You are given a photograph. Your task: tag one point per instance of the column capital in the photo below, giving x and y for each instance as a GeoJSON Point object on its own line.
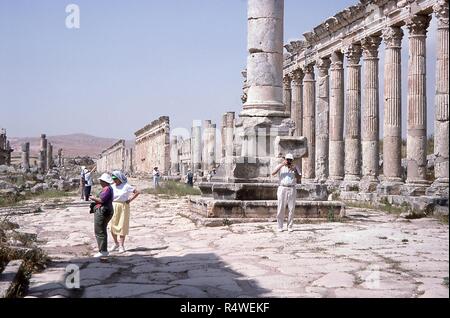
{"type": "Point", "coordinates": [337, 60]}
{"type": "Point", "coordinates": [441, 12]}
{"type": "Point", "coordinates": [309, 71]}
{"type": "Point", "coordinates": [323, 64]}
{"type": "Point", "coordinates": [353, 53]}
{"type": "Point", "coordinates": [287, 79]}
{"type": "Point", "coordinates": [297, 76]}
{"type": "Point", "coordinates": [393, 36]}
{"type": "Point", "coordinates": [370, 46]}
{"type": "Point", "coordinates": [418, 24]}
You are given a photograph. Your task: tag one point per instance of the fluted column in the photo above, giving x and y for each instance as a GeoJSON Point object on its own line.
{"type": "Point", "coordinates": [309, 122]}
{"type": "Point", "coordinates": [323, 110]}
{"type": "Point", "coordinates": [265, 58]}
{"type": "Point", "coordinates": [287, 93]}
{"type": "Point", "coordinates": [392, 139]}
{"type": "Point", "coordinates": [297, 100]}
{"type": "Point", "coordinates": [353, 115]}
{"type": "Point", "coordinates": [174, 156]}
{"type": "Point", "coordinates": [441, 140]}
{"type": "Point", "coordinates": [370, 114]}
{"type": "Point", "coordinates": [336, 168]}
{"type": "Point", "coordinates": [417, 100]}
{"type": "Point", "coordinates": [196, 148]}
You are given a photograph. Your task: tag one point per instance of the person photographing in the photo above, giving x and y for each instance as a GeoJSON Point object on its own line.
{"type": "Point", "coordinates": [289, 175]}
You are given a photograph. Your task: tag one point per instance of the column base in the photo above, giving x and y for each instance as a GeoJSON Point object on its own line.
{"type": "Point", "coordinates": [415, 187]}
{"type": "Point", "coordinates": [368, 184]}
{"type": "Point", "coordinates": [439, 188]}
{"type": "Point", "coordinates": [350, 183]}
{"type": "Point", "coordinates": [391, 187]}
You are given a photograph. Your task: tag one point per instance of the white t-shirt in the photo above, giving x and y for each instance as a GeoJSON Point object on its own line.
{"type": "Point", "coordinates": [88, 178]}
{"type": "Point", "coordinates": [287, 176]}
{"type": "Point", "coordinates": [156, 174]}
{"type": "Point", "coordinates": [122, 192]}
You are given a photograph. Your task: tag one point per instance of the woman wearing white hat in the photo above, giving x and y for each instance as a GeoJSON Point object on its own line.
{"type": "Point", "coordinates": [289, 175]}
{"type": "Point", "coordinates": [103, 214]}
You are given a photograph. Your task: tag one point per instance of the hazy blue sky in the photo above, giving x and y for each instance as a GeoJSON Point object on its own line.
{"type": "Point", "coordinates": [132, 61]}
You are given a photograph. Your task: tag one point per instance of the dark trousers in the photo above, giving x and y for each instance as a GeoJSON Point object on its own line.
{"type": "Point", "coordinates": [101, 221]}
{"type": "Point", "coordinates": [87, 192]}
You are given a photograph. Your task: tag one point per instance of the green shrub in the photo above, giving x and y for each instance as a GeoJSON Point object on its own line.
{"type": "Point", "coordinates": [173, 189]}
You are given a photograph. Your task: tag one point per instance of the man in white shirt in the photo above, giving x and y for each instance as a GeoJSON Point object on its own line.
{"type": "Point", "coordinates": [89, 182]}
{"type": "Point", "coordinates": [289, 175]}
{"type": "Point", "coordinates": [156, 177]}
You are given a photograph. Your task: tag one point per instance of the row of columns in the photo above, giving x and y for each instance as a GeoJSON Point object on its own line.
{"type": "Point", "coordinates": [45, 156]}
{"type": "Point", "coordinates": [353, 154]}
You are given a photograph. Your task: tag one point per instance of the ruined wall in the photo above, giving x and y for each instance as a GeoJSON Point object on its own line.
{"type": "Point", "coordinates": [116, 157]}
{"type": "Point", "coordinates": [153, 147]}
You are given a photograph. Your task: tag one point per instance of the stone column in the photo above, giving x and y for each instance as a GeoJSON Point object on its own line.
{"type": "Point", "coordinates": [353, 116]}
{"type": "Point", "coordinates": [205, 146]}
{"type": "Point", "coordinates": [196, 148]}
{"type": "Point", "coordinates": [8, 153]}
{"type": "Point", "coordinates": [441, 131]}
{"type": "Point", "coordinates": [60, 157]}
{"type": "Point", "coordinates": [211, 147]}
{"type": "Point", "coordinates": [43, 156]}
{"type": "Point", "coordinates": [265, 59]}
{"type": "Point", "coordinates": [370, 114]}
{"type": "Point", "coordinates": [26, 157]}
{"type": "Point", "coordinates": [309, 122]}
{"type": "Point", "coordinates": [223, 135]}
{"type": "Point", "coordinates": [287, 93]}
{"type": "Point", "coordinates": [49, 156]}
{"type": "Point", "coordinates": [41, 162]}
{"type": "Point", "coordinates": [229, 134]}
{"type": "Point", "coordinates": [392, 139]}
{"type": "Point", "coordinates": [417, 105]}
{"type": "Point", "coordinates": [174, 156]}
{"type": "Point", "coordinates": [323, 110]}
{"type": "Point", "coordinates": [297, 100]}
{"type": "Point", "coordinates": [336, 168]}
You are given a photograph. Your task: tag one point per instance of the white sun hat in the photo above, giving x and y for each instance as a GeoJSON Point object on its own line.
{"type": "Point", "coordinates": [289, 156]}
{"type": "Point", "coordinates": [106, 177]}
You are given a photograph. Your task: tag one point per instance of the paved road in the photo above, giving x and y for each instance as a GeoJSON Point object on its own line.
{"type": "Point", "coordinates": [372, 254]}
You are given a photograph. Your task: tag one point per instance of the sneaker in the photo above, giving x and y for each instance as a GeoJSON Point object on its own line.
{"type": "Point", "coordinates": [101, 254]}
{"type": "Point", "coordinates": [115, 248]}
{"type": "Point", "coordinates": [280, 230]}
{"type": "Point", "coordinates": [121, 249]}
{"type": "Point", "coordinates": [290, 229]}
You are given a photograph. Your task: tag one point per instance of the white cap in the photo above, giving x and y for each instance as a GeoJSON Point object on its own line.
{"type": "Point", "coordinates": [289, 156]}
{"type": "Point", "coordinates": [83, 167]}
{"type": "Point", "coordinates": [106, 177]}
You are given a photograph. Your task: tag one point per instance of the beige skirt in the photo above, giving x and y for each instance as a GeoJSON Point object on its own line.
{"type": "Point", "coordinates": [120, 222]}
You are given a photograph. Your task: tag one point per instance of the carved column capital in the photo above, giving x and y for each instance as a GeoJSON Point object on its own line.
{"type": "Point", "coordinates": [370, 46]}
{"type": "Point", "coordinates": [337, 60]}
{"type": "Point", "coordinates": [323, 65]}
{"type": "Point", "coordinates": [418, 24]}
{"type": "Point", "coordinates": [393, 36]}
{"type": "Point", "coordinates": [353, 53]}
{"type": "Point", "coordinates": [308, 69]}
{"type": "Point", "coordinates": [441, 12]}
{"type": "Point", "coordinates": [297, 76]}
{"type": "Point", "coordinates": [287, 81]}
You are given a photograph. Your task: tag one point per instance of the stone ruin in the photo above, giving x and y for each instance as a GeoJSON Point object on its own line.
{"type": "Point", "coordinates": [5, 149]}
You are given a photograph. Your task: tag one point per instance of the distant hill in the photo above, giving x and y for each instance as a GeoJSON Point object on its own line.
{"type": "Point", "coordinates": [73, 145]}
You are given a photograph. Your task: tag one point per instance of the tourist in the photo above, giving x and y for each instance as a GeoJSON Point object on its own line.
{"type": "Point", "coordinates": [82, 182]}
{"type": "Point", "coordinates": [190, 178]}
{"type": "Point", "coordinates": [211, 174]}
{"type": "Point", "coordinates": [103, 214]}
{"type": "Point", "coordinates": [156, 177]}
{"type": "Point", "coordinates": [289, 175]}
{"type": "Point", "coordinates": [124, 194]}
{"type": "Point", "coordinates": [89, 182]}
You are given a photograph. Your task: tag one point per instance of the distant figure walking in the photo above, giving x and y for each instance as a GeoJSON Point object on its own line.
{"type": "Point", "coordinates": [190, 178]}
{"type": "Point", "coordinates": [289, 175]}
{"type": "Point", "coordinates": [89, 182]}
{"type": "Point", "coordinates": [124, 194]}
{"type": "Point", "coordinates": [82, 182]}
{"type": "Point", "coordinates": [103, 214]}
{"type": "Point", "coordinates": [156, 177]}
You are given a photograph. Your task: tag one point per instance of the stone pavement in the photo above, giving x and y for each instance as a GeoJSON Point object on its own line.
{"type": "Point", "coordinates": [372, 254]}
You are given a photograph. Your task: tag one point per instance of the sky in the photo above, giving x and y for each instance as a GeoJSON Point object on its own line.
{"type": "Point", "coordinates": [135, 60]}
